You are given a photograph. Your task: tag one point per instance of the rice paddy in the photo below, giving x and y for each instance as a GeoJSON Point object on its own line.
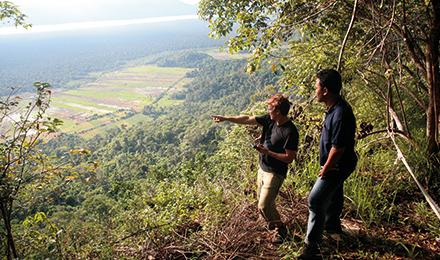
{"type": "Point", "coordinates": [115, 98]}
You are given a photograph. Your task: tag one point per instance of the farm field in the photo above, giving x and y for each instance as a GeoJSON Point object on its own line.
{"type": "Point", "coordinates": [115, 98]}
{"type": "Point", "coordinates": [225, 55]}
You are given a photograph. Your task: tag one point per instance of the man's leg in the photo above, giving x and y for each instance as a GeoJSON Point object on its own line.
{"type": "Point", "coordinates": [319, 199]}
{"type": "Point", "coordinates": [334, 211]}
{"type": "Point", "coordinates": [268, 186]}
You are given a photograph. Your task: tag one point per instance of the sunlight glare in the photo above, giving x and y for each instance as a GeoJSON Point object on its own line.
{"type": "Point", "coordinates": [90, 25]}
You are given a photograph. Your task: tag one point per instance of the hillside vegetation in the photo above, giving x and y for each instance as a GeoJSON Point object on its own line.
{"type": "Point", "coordinates": [177, 186]}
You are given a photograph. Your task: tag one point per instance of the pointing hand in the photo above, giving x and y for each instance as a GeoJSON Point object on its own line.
{"type": "Point", "coordinates": [218, 119]}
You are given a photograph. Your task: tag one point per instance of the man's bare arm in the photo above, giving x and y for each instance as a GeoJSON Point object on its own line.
{"type": "Point", "coordinates": [242, 120]}
{"type": "Point", "coordinates": [333, 157]}
{"type": "Point", "coordinates": [287, 157]}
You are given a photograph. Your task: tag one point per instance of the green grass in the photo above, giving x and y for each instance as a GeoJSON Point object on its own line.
{"type": "Point", "coordinates": [111, 125]}
{"type": "Point", "coordinates": [77, 127]}
{"type": "Point", "coordinates": [96, 123]}
{"type": "Point", "coordinates": [67, 123]}
{"type": "Point", "coordinates": [137, 118]}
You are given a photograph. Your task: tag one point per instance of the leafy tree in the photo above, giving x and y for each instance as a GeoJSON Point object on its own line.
{"type": "Point", "coordinates": [25, 169]}
{"type": "Point", "coordinates": [99, 204]}
{"type": "Point", "coordinates": [8, 11]}
{"type": "Point", "coordinates": [392, 45]}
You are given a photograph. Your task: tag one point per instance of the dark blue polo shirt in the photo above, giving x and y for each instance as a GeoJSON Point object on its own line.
{"type": "Point", "coordinates": [339, 131]}
{"type": "Point", "coordinates": [276, 138]}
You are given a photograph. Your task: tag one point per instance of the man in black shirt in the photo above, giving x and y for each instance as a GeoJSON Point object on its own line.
{"type": "Point", "coordinates": [338, 160]}
{"type": "Point", "coordinates": [277, 148]}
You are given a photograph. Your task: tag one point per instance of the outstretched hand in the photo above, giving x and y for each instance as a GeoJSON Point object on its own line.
{"type": "Point", "coordinates": [218, 119]}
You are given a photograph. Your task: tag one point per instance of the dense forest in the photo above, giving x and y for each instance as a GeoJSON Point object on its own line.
{"type": "Point", "coordinates": [182, 187]}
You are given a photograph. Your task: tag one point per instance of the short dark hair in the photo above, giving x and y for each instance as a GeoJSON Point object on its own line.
{"type": "Point", "coordinates": [280, 102]}
{"type": "Point", "coordinates": [330, 79]}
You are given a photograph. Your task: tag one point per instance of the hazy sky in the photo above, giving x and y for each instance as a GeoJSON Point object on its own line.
{"type": "Point", "coordinates": [73, 6]}
{"type": "Point", "coordinates": [190, 1]}
{"type": "Point", "coordinates": [76, 3]}
{"type": "Point", "coordinates": [78, 7]}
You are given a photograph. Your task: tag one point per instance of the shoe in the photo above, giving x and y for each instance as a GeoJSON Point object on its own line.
{"type": "Point", "coordinates": [310, 252]}
{"type": "Point", "coordinates": [333, 230]}
{"type": "Point", "coordinates": [282, 232]}
{"type": "Point", "coordinates": [280, 235]}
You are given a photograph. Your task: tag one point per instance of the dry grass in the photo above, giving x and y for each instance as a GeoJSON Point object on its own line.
{"type": "Point", "coordinates": [242, 235]}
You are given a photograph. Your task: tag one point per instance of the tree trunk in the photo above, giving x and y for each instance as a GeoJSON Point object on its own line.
{"type": "Point", "coordinates": [433, 79]}
{"type": "Point", "coordinates": [10, 246]}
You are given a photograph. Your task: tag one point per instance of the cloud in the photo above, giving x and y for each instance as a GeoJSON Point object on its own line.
{"type": "Point", "coordinates": [90, 25]}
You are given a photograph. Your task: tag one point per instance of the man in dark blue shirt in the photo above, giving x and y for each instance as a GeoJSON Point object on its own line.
{"type": "Point", "coordinates": [337, 159]}
{"type": "Point", "coordinates": [277, 148]}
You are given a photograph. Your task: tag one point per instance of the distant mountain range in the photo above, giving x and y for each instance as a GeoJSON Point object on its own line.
{"type": "Point", "coordinates": [99, 10]}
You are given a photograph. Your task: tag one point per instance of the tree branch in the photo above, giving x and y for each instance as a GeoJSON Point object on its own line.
{"type": "Point", "coordinates": [397, 131]}
{"type": "Point", "coordinates": [346, 35]}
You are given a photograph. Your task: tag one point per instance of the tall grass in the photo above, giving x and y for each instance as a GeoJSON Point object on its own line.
{"type": "Point", "coordinates": [370, 190]}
